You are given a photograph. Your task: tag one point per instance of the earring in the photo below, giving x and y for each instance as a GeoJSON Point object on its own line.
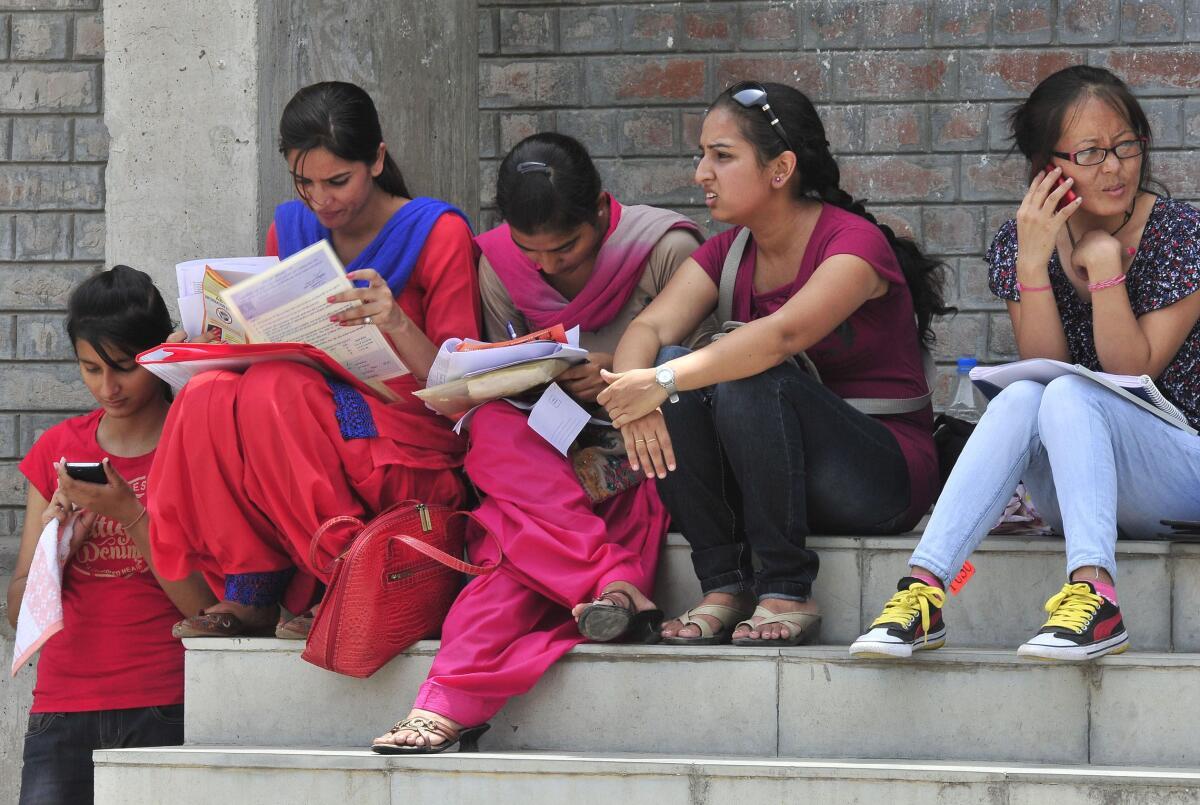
{"type": "Point", "coordinates": [778, 179]}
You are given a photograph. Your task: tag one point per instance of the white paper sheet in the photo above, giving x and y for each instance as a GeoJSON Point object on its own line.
{"type": "Point", "coordinates": [557, 418]}
{"type": "Point", "coordinates": [288, 303]}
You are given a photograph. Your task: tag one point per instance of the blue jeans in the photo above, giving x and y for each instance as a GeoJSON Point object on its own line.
{"type": "Point", "coordinates": [1096, 466]}
{"type": "Point", "coordinates": [762, 462]}
{"type": "Point", "coordinates": [58, 767]}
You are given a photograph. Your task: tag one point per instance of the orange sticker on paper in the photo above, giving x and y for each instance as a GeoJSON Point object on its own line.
{"type": "Point", "coordinates": [964, 575]}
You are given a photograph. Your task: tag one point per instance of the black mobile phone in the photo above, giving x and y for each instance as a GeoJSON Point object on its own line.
{"type": "Point", "coordinates": [91, 472]}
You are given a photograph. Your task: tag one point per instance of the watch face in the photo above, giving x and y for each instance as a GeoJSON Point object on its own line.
{"type": "Point", "coordinates": [664, 375]}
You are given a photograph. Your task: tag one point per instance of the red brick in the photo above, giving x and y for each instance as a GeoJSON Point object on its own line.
{"type": "Point", "coordinates": [899, 178]}
{"type": "Point", "coordinates": [896, 128]}
{"type": "Point", "coordinates": [993, 177]}
{"type": "Point", "coordinates": [647, 132]}
{"type": "Point", "coordinates": [893, 76]}
{"type": "Point", "coordinates": [1166, 70]}
{"type": "Point", "coordinates": [1087, 21]}
{"type": "Point", "coordinates": [803, 71]}
{"type": "Point", "coordinates": [648, 29]}
{"type": "Point", "coordinates": [692, 122]}
{"type": "Point", "coordinates": [843, 127]}
{"type": "Point", "coordinates": [516, 127]}
{"type": "Point", "coordinates": [1179, 171]}
{"type": "Point", "coordinates": [1151, 20]}
{"type": "Point", "coordinates": [1010, 73]}
{"type": "Point", "coordinates": [833, 23]}
{"type": "Point", "coordinates": [1023, 22]}
{"type": "Point", "coordinates": [646, 80]}
{"type": "Point", "coordinates": [528, 82]}
{"type": "Point", "coordinates": [961, 23]}
{"type": "Point", "coordinates": [773, 26]}
{"type": "Point", "coordinates": [706, 26]}
{"type": "Point", "coordinates": [904, 221]}
{"type": "Point", "coordinates": [960, 127]}
{"type": "Point", "coordinates": [952, 229]}
{"type": "Point", "coordinates": [896, 24]}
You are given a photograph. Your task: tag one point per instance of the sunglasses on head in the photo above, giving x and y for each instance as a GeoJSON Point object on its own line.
{"type": "Point", "coordinates": [751, 94]}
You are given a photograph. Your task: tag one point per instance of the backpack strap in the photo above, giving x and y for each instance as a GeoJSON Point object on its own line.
{"type": "Point", "coordinates": [729, 269]}
{"type": "Point", "coordinates": [901, 405]}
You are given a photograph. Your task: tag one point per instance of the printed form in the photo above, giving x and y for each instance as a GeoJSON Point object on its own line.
{"type": "Point", "coordinates": [287, 303]}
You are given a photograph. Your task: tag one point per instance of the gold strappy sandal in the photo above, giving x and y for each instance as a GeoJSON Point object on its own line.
{"type": "Point", "coordinates": [467, 738]}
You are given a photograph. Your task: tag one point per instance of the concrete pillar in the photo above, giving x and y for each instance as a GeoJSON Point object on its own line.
{"type": "Point", "coordinates": [193, 94]}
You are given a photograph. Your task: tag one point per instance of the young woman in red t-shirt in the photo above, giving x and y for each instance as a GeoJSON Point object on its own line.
{"type": "Point", "coordinates": [113, 676]}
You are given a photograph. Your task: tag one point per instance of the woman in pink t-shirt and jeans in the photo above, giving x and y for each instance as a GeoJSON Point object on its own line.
{"type": "Point", "coordinates": [756, 453]}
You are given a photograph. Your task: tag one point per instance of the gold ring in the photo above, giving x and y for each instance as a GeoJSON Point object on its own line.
{"type": "Point", "coordinates": [639, 441]}
{"type": "Point", "coordinates": [651, 440]}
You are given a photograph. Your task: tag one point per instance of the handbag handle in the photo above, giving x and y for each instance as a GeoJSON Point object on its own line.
{"type": "Point", "coordinates": [415, 543]}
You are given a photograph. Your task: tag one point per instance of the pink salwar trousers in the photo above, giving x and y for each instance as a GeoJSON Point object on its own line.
{"type": "Point", "coordinates": [506, 629]}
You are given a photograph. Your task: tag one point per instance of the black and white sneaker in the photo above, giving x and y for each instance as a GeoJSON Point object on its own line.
{"type": "Point", "coordinates": [911, 621]}
{"type": "Point", "coordinates": [1083, 625]}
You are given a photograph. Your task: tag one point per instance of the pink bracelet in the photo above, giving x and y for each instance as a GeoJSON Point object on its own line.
{"type": "Point", "coordinates": [1100, 286]}
{"type": "Point", "coordinates": [1023, 288]}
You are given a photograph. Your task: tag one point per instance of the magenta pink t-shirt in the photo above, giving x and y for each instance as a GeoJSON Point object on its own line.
{"type": "Point", "coordinates": [875, 353]}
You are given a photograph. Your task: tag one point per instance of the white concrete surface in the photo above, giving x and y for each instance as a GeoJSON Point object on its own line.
{"type": "Point", "coordinates": [180, 103]}
{"type": "Point", "coordinates": [964, 704]}
{"type": "Point", "coordinates": [194, 775]}
{"type": "Point", "coordinates": [16, 694]}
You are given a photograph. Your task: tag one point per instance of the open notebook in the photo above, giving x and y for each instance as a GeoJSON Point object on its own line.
{"type": "Point", "coordinates": [1139, 390]}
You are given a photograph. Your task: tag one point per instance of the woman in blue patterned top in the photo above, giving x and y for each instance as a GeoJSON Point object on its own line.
{"type": "Point", "coordinates": [1108, 280]}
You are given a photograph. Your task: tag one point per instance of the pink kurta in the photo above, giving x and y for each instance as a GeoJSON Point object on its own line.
{"type": "Point", "coordinates": [506, 629]}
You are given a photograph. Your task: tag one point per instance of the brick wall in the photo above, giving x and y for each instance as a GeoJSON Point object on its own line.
{"type": "Point", "coordinates": [53, 147]}
{"type": "Point", "coordinates": [913, 95]}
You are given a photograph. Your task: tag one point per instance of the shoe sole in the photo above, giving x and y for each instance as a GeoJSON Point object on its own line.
{"type": "Point", "coordinates": [1114, 645]}
{"type": "Point", "coordinates": [895, 651]}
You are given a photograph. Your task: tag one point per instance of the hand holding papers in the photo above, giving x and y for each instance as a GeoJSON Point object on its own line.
{"type": "Point", "coordinates": [461, 378]}
{"type": "Point", "coordinates": [200, 282]}
{"type": "Point", "coordinates": [287, 304]}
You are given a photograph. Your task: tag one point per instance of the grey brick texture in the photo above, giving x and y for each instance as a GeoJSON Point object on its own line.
{"type": "Point", "coordinates": [913, 94]}
{"type": "Point", "coordinates": [53, 146]}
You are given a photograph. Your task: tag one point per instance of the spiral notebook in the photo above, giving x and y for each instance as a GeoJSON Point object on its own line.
{"type": "Point", "coordinates": [1138, 389]}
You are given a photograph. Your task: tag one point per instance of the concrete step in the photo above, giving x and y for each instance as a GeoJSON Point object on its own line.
{"type": "Point", "coordinates": [1001, 607]}
{"type": "Point", "coordinates": [200, 775]}
{"type": "Point", "coordinates": [951, 704]}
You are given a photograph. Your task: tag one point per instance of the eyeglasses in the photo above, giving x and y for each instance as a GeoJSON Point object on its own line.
{"type": "Point", "coordinates": [751, 94]}
{"type": "Point", "coordinates": [1126, 149]}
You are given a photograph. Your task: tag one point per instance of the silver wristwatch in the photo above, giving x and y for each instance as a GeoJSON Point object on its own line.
{"type": "Point", "coordinates": [665, 377]}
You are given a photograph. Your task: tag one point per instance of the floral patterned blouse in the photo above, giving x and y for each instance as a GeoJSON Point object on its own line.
{"type": "Point", "coordinates": [1165, 269]}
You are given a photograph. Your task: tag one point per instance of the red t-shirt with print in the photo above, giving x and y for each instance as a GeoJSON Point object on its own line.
{"type": "Point", "coordinates": [115, 649]}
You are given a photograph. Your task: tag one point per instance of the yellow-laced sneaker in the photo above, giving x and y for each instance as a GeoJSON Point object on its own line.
{"type": "Point", "coordinates": [911, 621]}
{"type": "Point", "coordinates": [1082, 625]}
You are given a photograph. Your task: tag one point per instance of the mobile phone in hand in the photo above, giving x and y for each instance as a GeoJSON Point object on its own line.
{"type": "Point", "coordinates": [1068, 197]}
{"type": "Point", "coordinates": [91, 472]}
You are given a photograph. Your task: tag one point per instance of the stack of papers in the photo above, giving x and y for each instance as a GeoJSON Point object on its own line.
{"type": "Point", "coordinates": [190, 278]}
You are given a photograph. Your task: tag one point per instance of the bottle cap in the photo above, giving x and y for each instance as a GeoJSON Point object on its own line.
{"type": "Point", "coordinates": [966, 364]}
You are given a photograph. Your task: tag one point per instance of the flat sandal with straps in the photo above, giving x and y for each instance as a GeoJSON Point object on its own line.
{"type": "Point", "coordinates": [467, 738]}
{"type": "Point", "coordinates": [802, 628]}
{"type": "Point", "coordinates": [726, 616]}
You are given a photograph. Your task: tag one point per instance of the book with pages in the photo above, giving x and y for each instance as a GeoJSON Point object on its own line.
{"type": "Point", "coordinates": [1138, 389]}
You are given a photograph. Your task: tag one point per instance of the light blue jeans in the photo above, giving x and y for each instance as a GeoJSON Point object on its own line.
{"type": "Point", "coordinates": [1096, 466]}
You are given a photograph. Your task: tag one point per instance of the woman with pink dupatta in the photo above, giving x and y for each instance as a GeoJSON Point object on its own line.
{"type": "Point", "coordinates": [569, 254]}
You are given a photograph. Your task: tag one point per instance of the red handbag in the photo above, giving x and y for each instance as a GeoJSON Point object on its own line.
{"type": "Point", "coordinates": [392, 587]}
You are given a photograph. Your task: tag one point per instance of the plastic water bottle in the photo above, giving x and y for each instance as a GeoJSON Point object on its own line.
{"type": "Point", "coordinates": [967, 404]}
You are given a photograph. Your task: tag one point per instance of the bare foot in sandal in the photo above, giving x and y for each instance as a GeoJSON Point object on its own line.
{"type": "Point", "coordinates": [777, 631]}
{"type": "Point", "coordinates": [740, 603]}
{"type": "Point", "coordinates": [621, 611]}
{"type": "Point", "coordinates": [420, 738]}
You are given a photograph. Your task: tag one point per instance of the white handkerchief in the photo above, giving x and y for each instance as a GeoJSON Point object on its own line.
{"type": "Point", "coordinates": [557, 418]}
{"type": "Point", "coordinates": [41, 614]}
